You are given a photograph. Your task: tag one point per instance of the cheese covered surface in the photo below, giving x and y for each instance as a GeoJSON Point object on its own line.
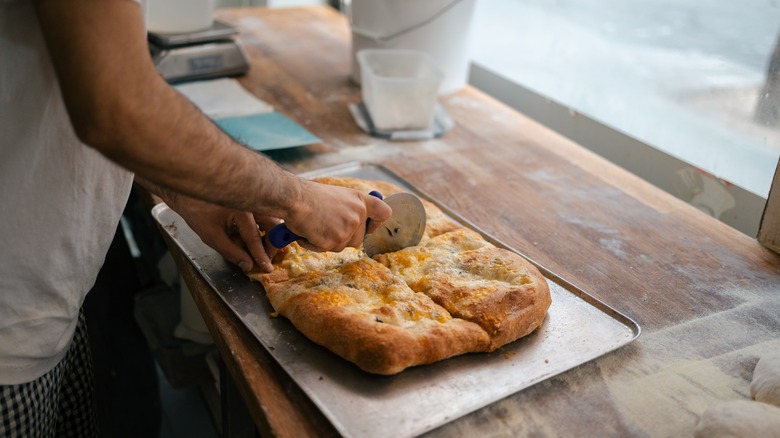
{"type": "Point", "coordinates": [454, 293]}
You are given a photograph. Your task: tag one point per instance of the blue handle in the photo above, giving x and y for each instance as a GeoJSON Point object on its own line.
{"type": "Point", "coordinates": [281, 236]}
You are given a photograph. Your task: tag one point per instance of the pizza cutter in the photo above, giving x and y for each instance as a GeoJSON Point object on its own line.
{"type": "Point", "coordinates": [404, 228]}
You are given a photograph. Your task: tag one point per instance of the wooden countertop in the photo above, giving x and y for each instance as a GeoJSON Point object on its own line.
{"type": "Point", "coordinates": [706, 296]}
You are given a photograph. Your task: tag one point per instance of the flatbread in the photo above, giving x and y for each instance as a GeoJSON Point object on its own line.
{"type": "Point", "coordinates": [476, 281]}
{"type": "Point", "coordinates": [452, 294]}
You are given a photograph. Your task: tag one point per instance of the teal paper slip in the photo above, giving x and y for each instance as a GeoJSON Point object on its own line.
{"type": "Point", "coordinates": [267, 131]}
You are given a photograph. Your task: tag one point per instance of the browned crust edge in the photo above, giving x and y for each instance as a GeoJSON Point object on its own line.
{"type": "Point", "coordinates": [510, 312]}
{"type": "Point", "coordinates": [381, 348]}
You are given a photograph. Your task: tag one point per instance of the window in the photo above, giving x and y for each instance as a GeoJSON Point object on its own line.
{"type": "Point", "coordinates": [679, 78]}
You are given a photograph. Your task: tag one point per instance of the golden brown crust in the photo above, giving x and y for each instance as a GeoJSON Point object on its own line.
{"type": "Point", "coordinates": [475, 281]}
{"type": "Point", "coordinates": [507, 310]}
{"type": "Point", "coordinates": [363, 313]}
{"type": "Point", "coordinates": [454, 293]}
{"type": "Point", "coordinates": [379, 347]}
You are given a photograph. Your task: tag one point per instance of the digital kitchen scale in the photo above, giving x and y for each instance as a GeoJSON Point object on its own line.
{"type": "Point", "coordinates": [209, 53]}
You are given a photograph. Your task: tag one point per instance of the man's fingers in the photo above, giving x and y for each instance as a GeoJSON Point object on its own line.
{"type": "Point", "coordinates": [267, 222]}
{"type": "Point", "coordinates": [377, 209]}
{"type": "Point", "coordinates": [270, 250]}
{"type": "Point", "coordinates": [343, 218]}
{"type": "Point", "coordinates": [250, 235]}
{"type": "Point", "coordinates": [378, 212]}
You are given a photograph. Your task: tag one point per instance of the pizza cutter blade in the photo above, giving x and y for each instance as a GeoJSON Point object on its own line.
{"type": "Point", "coordinates": [404, 228]}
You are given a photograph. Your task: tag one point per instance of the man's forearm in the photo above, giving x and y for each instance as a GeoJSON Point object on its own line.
{"type": "Point", "coordinates": [182, 151]}
{"type": "Point", "coordinates": [151, 130]}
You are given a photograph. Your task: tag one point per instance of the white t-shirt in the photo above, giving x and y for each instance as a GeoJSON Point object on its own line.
{"type": "Point", "coordinates": [60, 203]}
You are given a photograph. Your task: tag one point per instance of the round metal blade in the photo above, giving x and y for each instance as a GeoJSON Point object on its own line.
{"type": "Point", "coordinates": [404, 228]}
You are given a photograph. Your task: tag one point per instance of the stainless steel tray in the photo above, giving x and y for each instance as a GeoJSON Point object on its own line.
{"type": "Point", "coordinates": [578, 328]}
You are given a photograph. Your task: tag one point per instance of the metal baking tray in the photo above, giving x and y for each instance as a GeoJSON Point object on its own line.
{"type": "Point", "coordinates": [577, 329]}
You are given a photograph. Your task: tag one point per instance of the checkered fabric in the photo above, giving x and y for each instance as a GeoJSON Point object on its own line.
{"type": "Point", "coordinates": [61, 403]}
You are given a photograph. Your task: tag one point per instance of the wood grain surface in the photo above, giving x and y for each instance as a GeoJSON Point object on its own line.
{"type": "Point", "coordinates": [706, 296]}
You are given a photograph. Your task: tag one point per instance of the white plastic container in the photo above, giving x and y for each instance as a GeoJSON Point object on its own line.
{"type": "Point", "coordinates": [399, 88]}
{"type": "Point", "coordinates": [179, 16]}
{"type": "Point", "coordinates": [439, 28]}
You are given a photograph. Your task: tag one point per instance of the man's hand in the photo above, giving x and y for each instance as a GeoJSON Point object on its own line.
{"type": "Point", "coordinates": [228, 231]}
{"type": "Point", "coordinates": [332, 218]}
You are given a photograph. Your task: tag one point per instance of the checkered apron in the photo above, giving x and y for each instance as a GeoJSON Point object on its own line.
{"type": "Point", "coordinates": [61, 403]}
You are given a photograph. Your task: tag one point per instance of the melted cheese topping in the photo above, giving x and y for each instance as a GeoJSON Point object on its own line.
{"type": "Point", "coordinates": [298, 260]}
{"type": "Point", "coordinates": [358, 284]}
{"type": "Point", "coordinates": [333, 298]}
{"type": "Point", "coordinates": [460, 263]}
{"type": "Point", "coordinates": [392, 289]}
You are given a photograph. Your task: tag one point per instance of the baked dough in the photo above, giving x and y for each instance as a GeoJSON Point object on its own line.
{"type": "Point", "coordinates": [765, 386]}
{"type": "Point", "coordinates": [739, 419]}
{"type": "Point", "coordinates": [356, 308]}
{"type": "Point", "coordinates": [454, 293]}
{"type": "Point", "coordinates": [475, 281]}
